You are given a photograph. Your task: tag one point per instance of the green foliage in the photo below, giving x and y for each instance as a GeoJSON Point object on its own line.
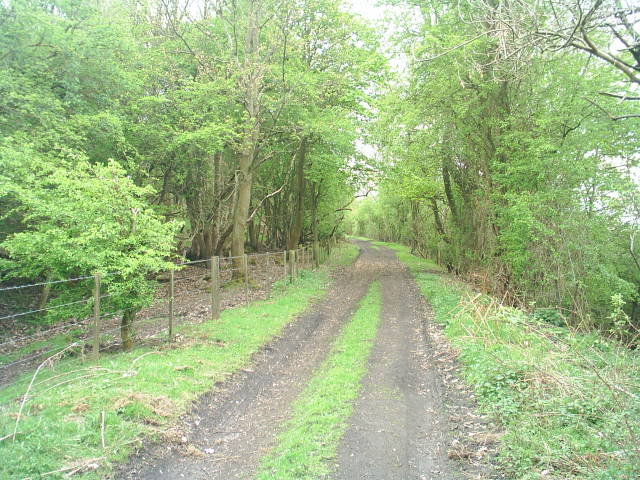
{"type": "Point", "coordinates": [550, 316]}
{"type": "Point", "coordinates": [498, 162]}
{"type": "Point", "coordinates": [79, 219]}
{"type": "Point", "coordinates": [165, 95]}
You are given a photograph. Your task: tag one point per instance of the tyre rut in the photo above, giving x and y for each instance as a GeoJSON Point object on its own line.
{"type": "Point", "coordinates": [399, 426]}
{"type": "Point", "coordinates": [233, 426]}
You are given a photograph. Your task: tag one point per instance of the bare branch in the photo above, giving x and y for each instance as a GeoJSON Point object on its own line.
{"type": "Point", "coordinates": [612, 117]}
{"type": "Point", "coordinates": [272, 194]}
{"type": "Point", "coordinates": [621, 97]}
{"type": "Point", "coordinates": [467, 42]}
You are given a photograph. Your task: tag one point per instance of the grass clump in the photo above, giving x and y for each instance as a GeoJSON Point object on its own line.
{"type": "Point", "coordinates": [569, 402]}
{"type": "Point", "coordinates": [320, 413]}
{"type": "Point", "coordinates": [132, 395]}
{"type": "Point", "coordinates": [355, 237]}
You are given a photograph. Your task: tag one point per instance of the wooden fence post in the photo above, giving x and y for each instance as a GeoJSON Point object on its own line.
{"type": "Point", "coordinates": [215, 287]}
{"type": "Point", "coordinates": [315, 251]}
{"type": "Point", "coordinates": [296, 253]}
{"type": "Point", "coordinates": [246, 278]}
{"type": "Point", "coordinates": [294, 264]}
{"type": "Point", "coordinates": [96, 315]}
{"type": "Point", "coordinates": [172, 283]}
{"type": "Point", "coordinates": [284, 262]}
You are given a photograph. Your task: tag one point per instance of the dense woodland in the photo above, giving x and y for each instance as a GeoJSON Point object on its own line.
{"type": "Point", "coordinates": [134, 133]}
{"type": "Point", "coordinates": [509, 153]}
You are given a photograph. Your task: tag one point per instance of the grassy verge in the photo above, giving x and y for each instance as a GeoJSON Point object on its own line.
{"type": "Point", "coordinates": [354, 237]}
{"type": "Point", "coordinates": [320, 413]}
{"type": "Point", "coordinates": [58, 341]}
{"type": "Point", "coordinates": [569, 402]}
{"type": "Point", "coordinates": [344, 254]}
{"type": "Point", "coordinates": [84, 417]}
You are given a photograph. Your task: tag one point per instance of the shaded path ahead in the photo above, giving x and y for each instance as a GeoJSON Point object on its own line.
{"type": "Point", "coordinates": [399, 427]}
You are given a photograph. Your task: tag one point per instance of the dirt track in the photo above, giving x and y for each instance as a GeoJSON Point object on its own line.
{"type": "Point", "coordinates": [402, 423]}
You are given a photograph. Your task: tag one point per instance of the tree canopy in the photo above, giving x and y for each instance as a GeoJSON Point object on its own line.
{"type": "Point", "coordinates": [134, 133]}
{"type": "Point", "coordinates": [510, 151]}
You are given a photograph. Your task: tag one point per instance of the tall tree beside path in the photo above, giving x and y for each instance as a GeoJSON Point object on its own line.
{"type": "Point", "coordinates": [502, 159]}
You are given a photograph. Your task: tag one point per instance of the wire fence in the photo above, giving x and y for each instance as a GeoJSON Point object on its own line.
{"type": "Point", "coordinates": [98, 325]}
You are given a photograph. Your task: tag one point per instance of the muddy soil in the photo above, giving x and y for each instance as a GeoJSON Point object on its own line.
{"type": "Point", "coordinates": [414, 418]}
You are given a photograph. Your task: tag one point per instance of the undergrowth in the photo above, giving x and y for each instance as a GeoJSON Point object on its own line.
{"type": "Point", "coordinates": [569, 402]}
{"type": "Point", "coordinates": [82, 417]}
{"type": "Point", "coordinates": [320, 413]}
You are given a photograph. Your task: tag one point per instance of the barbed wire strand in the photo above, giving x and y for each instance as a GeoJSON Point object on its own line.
{"type": "Point", "coordinates": [103, 275]}
{"type": "Point", "coordinates": [39, 354]}
{"type": "Point", "coordinates": [42, 333]}
{"type": "Point", "coordinates": [21, 314]}
{"type": "Point", "coordinates": [179, 279]}
{"type": "Point", "coordinates": [87, 321]}
{"type": "Point", "coordinates": [52, 282]}
{"type": "Point", "coordinates": [193, 262]}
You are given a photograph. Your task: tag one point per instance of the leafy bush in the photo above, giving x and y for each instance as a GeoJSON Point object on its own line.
{"type": "Point", "coordinates": [77, 219]}
{"type": "Point", "coordinates": [550, 316]}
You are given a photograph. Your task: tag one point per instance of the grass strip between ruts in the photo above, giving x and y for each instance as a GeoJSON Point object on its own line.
{"type": "Point", "coordinates": [320, 414]}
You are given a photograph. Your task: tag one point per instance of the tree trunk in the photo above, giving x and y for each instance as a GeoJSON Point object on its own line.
{"type": "Point", "coordinates": [126, 329]}
{"type": "Point", "coordinates": [296, 228]}
{"type": "Point", "coordinates": [241, 214]}
{"type": "Point", "coordinates": [415, 217]}
{"type": "Point", "coordinates": [254, 235]}
{"type": "Point", "coordinates": [217, 202]}
{"type": "Point", "coordinates": [223, 240]}
{"type": "Point", "coordinates": [251, 82]}
{"type": "Point", "coordinates": [438, 220]}
{"type": "Point", "coordinates": [44, 294]}
{"type": "Point", "coordinates": [446, 180]}
{"type": "Point", "coordinates": [314, 226]}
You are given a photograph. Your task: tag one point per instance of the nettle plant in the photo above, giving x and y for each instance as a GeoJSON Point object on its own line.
{"type": "Point", "coordinates": [77, 219]}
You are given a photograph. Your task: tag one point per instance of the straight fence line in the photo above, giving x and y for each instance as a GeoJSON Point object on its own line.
{"type": "Point", "coordinates": [22, 314]}
{"type": "Point", "coordinates": [192, 262]}
{"type": "Point", "coordinates": [52, 282]}
{"type": "Point", "coordinates": [293, 259]}
{"type": "Point", "coordinates": [41, 333]}
{"type": "Point", "coordinates": [39, 354]}
{"type": "Point", "coordinates": [178, 279]}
